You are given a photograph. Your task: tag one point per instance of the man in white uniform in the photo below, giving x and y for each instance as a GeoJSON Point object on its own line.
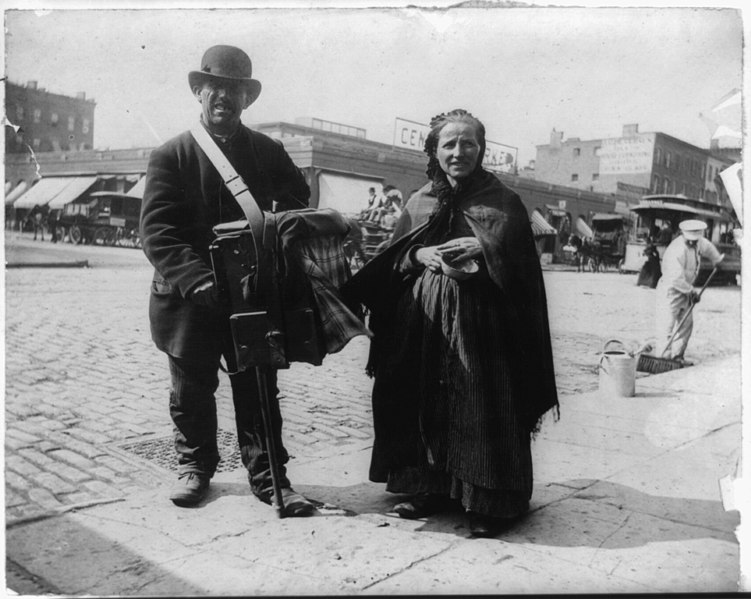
{"type": "Point", "coordinates": [675, 290]}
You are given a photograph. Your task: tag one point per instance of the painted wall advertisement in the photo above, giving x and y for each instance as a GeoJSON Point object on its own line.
{"type": "Point", "coordinates": [624, 155]}
{"type": "Point", "coordinates": [498, 158]}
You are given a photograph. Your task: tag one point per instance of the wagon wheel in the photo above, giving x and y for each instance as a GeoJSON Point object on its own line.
{"type": "Point", "coordinates": [111, 236]}
{"type": "Point", "coordinates": [592, 263]}
{"type": "Point", "coordinates": [120, 237]}
{"type": "Point", "coordinates": [60, 233]}
{"type": "Point", "coordinates": [101, 236]}
{"type": "Point", "coordinates": [76, 235]}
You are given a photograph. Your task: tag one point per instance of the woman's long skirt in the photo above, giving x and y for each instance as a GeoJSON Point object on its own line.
{"type": "Point", "coordinates": [650, 273]}
{"type": "Point", "coordinates": [445, 400]}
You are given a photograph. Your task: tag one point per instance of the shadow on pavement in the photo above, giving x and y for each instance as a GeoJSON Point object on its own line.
{"type": "Point", "coordinates": [587, 513]}
{"type": "Point", "coordinates": [61, 556]}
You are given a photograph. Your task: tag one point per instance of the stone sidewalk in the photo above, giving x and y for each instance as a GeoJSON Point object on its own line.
{"type": "Point", "coordinates": [88, 445]}
{"type": "Point", "coordinates": [627, 499]}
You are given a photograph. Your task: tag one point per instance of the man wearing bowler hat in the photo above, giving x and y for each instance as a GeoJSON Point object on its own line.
{"type": "Point", "coordinates": [675, 290]}
{"type": "Point", "coordinates": [184, 198]}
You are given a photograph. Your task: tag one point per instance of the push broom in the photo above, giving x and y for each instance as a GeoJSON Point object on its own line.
{"type": "Point", "coordinates": [658, 364]}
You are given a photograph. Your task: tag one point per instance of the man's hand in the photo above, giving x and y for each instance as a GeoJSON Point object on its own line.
{"type": "Point", "coordinates": [694, 297]}
{"type": "Point", "coordinates": [206, 295]}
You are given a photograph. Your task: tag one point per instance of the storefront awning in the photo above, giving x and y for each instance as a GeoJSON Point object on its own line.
{"type": "Point", "coordinates": [41, 193]}
{"type": "Point", "coordinates": [16, 192]}
{"type": "Point", "coordinates": [347, 194]}
{"type": "Point", "coordinates": [76, 187]}
{"type": "Point", "coordinates": [583, 229]}
{"type": "Point", "coordinates": [540, 226]}
{"type": "Point", "coordinates": [137, 190]}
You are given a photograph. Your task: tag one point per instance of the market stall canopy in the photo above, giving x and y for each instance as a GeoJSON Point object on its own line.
{"type": "Point", "coordinates": [74, 189]}
{"type": "Point", "coordinates": [41, 193]}
{"type": "Point", "coordinates": [16, 192]}
{"type": "Point", "coordinates": [583, 229]}
{"type": "Point", "coordinates": [540, 226]}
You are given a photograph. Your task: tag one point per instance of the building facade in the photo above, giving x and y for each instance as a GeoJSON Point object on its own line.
{"type": "Point", "coordinates": [633, 164]}
{"type": "Point", "coordinates": [340, 164]}
{"type": "Point", "coordinates": [46, 121]}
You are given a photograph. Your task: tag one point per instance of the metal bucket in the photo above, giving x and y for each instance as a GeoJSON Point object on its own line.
{"type": "Point", "coordinates": [617, 370]}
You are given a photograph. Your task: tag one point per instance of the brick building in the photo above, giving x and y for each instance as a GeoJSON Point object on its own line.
{"type": "Point", "coordinates": [47, 121]}
{"type": "Point", "coordinates": [632, 165]}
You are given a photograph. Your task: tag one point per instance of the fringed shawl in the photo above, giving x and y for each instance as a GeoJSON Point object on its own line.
{"type": "Point", "coordinates": [501, 224]}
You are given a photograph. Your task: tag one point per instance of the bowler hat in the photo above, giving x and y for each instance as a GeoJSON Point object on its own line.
{"type": "Point", "coordinates": [692, 229]}
{"type": "Point", "coordinates": [226, 62]}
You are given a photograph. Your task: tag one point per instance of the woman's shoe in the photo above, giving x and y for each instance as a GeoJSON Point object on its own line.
{"type": "Point", "coordinates": [420, 506]}
{"type": "Point", "coordinates": [487, 527]}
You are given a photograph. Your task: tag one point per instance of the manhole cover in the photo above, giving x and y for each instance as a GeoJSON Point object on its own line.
{"type": "Point", "coordinates": [161, 451]}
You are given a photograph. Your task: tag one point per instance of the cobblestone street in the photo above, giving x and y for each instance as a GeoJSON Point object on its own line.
{"type": "Point", "coordinates": [85, 387]}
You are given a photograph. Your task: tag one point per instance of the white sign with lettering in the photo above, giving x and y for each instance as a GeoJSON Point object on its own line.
{"type": "Point", "coordinates": [498, 157]}
{"type": "Point", "coordinates": [626, 155]}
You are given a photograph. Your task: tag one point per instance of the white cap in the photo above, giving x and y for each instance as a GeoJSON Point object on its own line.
{"type": "Point", "coordinates": [692, 229]}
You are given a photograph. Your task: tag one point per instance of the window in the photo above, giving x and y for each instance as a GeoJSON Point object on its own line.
{"type": "Point", "coordinates": [85, 126]}
{"type": "Point", "coordinates": [54, 119]}
{"type": "Point", "coordinates": [658, 156]}
{"type": "Point", "coordinates": [577, 151]}
{"type": "Point", "coordinates": [595, 176]}
{"type": "Point", "coordinates": [19, 113]}
{"type": "Point", "coordinates": [666, 186]}
{"type": "Point", "coordinates": [668, 158]}
{"type": "Point", "coordinates": [596, 150]}
{"type": "Point", "coordinates": [574, 177]}
{"type": "Point", "coordinates": [71, 123]}
{"type": "Point", "coordinates": [37, 115]}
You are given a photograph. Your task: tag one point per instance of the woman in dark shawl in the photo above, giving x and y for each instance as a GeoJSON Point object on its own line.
{"type": "Point", "coordinates": [651, 270]}
{"type": "Point", "coordinates": [463, 366]}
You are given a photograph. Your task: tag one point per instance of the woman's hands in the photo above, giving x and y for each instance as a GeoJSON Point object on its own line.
{"type": "Point", "coordinates": [431, 256]}
{"type": "Point", "coordinates": [460, 245]}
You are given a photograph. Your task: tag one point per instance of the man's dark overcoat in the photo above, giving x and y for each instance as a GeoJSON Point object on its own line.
{"type": "Point", "coordinates": [184, 198]}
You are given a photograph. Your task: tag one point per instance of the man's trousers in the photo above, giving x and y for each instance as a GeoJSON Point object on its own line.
{"type": "Point", "coordinates": [671, 308]}
{"type": "Point", "coordinates": [193, 412]}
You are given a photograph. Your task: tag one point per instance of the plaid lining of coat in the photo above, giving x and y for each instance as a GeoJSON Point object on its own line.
{"type": "Point", "coordinates": [326, 266]}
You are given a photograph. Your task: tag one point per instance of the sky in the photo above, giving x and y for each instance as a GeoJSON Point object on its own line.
{"type": "Point", "coordinates": [585, 72]}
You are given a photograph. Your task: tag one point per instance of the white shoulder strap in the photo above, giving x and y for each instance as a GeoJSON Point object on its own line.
{"type": "Point", "coordinates": [232, 180]}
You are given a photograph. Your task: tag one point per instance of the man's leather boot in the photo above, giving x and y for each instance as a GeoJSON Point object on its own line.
{"type": "Point", "coordinates": [190, 489]}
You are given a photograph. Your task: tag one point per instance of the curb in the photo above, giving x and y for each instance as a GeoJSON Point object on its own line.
{"type": "Point", "coordinates": [75, 264]}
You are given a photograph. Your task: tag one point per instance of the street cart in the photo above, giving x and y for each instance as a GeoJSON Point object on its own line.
{"type": "Point", "coordinates": [608, 241]}
{"type": "Point", "coordinates": [657, 219]}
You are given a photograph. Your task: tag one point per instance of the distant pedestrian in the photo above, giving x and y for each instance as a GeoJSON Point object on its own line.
{"type": "Point", "coordinates": [462, 361]}
{"type": "Point", "coordinates": [52, 220]}
{"type": "Point", "coordinates": [651, 271]}
{"type": "Point", "coordinates": [665, 234]}
{"type": "Point", "coordinates": [37, 220]}
{"type": "Point", "coordinates": [675, 290]}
